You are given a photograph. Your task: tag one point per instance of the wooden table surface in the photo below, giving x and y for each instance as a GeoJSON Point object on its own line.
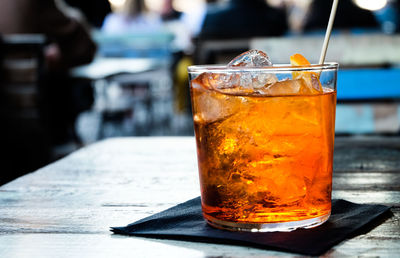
{"type": "Point", "coordinates": [66, 208]}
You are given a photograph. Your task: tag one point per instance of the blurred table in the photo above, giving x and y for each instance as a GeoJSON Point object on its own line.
{"type": "Point", "coordinates": [66, 208]}
{"type": "Point", "coordinates": [132, 96]}
{"type": "Point", "coordinates": [104, 67]}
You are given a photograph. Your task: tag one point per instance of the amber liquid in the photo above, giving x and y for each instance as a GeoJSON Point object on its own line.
{"type": "Point", "coordinates": [264, 159]}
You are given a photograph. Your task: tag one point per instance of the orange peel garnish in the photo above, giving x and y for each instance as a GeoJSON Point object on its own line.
{"type": "Point", "coordinates": [311, 78]}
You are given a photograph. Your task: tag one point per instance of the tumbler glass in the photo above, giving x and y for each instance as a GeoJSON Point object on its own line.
{"type": "Point", "coordinates": [265, 139]}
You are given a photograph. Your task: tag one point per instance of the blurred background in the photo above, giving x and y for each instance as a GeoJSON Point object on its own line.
{"type": "Point", "coordinates": [76, 72]}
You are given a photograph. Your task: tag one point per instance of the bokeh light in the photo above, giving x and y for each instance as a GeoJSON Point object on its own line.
{"type": "Point", "coordinates": [117, 3]}
{"type": "Point", "coordinates": [372, 5]}
{"type": "Point", "coordinates": [187, 5]}
{"type": "Point", "coordinates": [154, 5]}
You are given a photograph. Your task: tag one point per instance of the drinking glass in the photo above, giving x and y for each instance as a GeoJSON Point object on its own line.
{"type": "Point", "coordinates": [265, 141]}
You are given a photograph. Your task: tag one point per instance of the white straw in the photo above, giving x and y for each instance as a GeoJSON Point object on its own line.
{"type": "Point", "coordinates": [328, 31]}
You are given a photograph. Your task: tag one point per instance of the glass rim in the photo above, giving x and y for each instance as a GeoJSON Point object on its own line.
{"type": "Point", "coordinates": [279, 68]}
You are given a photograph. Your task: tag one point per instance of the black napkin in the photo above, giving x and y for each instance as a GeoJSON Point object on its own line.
{"type": "Point", "coordinates": [185, 222]}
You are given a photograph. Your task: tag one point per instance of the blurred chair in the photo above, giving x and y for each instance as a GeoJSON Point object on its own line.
{"type": "Point", "coordinates": [133, 96]}
{"type": "Point", "coordinates": [135, 104]}
{"type": "Point", "coordinates": [132, 82]}
{"type": "Point", "coordinates": [221, 51]}
{"type": "Point", "coordinates": [23, 136]}
{"type": "Point", "coordinates": [348, 16]}
{"type": "Point", "coordinates": [244, 19]}
{"type": "Point", "coordinates": [148, 44]}
{"type": "Point", "coordinates": [227, 29]}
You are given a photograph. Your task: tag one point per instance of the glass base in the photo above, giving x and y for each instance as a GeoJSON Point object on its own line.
{"type": "Point", "coordinates": [267, 227]}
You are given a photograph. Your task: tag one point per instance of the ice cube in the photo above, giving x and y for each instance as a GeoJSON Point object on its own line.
{"type": "Point", "coordinates": [311, 80]}
{"type": "Point", "coordinates": [261, 80]}
{"type": "Point", "coordinates": [211, 106]}
{"type": "Point", "coordinates": [245, 80]}
{"type": "Point", "coordinates": [251, 58]}
{"type": "Point", "coordinates": [240, 82]}
{"type": "Point", "coordinates": [315, 84]}
{"type": "Point", "coordinates": [288, 87]}
{"type": "Point", "coordinates": [230, 83]}
{"type": "Point", "coordinates": [218, 81]}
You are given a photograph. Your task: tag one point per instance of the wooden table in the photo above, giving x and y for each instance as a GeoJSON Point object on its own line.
{"type": "Point", "coordinates": [66, 208]}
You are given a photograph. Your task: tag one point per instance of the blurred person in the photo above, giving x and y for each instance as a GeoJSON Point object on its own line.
{"type": "Point", "coordinates": [194, 18]}
{"type": "Point", "coordinates": [95, 11]}
{"type": "Point", "coordinates": [134, 17]}
{"type": "Point", "coordinates": [175, 22]}
{"type": "Point", "coordinates": [244, 18]}
{"type": "Point", "coordinates": [168, 12]}
{"type": "Point", "coordinates": [296, 12]}
{"type": "Point", "coordinates": [59, 101]}
{"type": "Point", "coordinates": [70, 44]}
{"type": "Point", "coordinates": [348, 15]}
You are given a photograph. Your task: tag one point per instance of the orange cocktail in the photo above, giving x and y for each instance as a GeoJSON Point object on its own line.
{"type": "Point", "coordinates": [265, 152]}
